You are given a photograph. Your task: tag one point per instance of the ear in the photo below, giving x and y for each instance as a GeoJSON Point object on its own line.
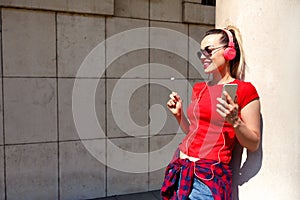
{"type": "Point", "coordinates": [229, 53]}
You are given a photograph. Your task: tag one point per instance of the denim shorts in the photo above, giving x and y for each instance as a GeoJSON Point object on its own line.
{"type": "Point", "coordinates": [200, 191]}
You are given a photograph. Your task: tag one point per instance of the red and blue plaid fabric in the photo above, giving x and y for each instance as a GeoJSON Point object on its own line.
{"type": "Point", "coordinates": [216, 176]}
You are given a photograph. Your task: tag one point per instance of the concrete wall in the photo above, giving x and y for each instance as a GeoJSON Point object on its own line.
{"type": "Point", "coordinates": [271, 37]}
{"type": "Point", "coordinates": [43, 44]}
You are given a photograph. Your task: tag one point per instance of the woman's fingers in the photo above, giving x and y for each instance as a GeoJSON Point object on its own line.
{"type": "Point", "coordinates": [228, 111]}
{"type": "Point", "coordinates": [221, 113]}
{"type": "Point", "coordinates": [223, 103]}
{"type": "Point", "coordinates": [174, 103]}
{"type": "Point", "coordinates": [222, 108]}
{"type": "Point", "coordinates": [228, 98]}
{"type": "Point", "coordinates": [171, 103]}
{"type": "Point", "coordinates": [174, 96]}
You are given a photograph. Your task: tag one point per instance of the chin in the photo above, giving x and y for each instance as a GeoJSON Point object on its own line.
{"type": "Point", "coordinates": [210, 69]}
{"type": "Point", "coordinates": [207, 72]}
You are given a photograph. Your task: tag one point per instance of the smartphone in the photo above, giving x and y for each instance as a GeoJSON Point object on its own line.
{"type": "Point", "coordinates": [231, 90]}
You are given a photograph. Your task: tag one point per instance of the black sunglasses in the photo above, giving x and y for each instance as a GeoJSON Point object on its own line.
{"type": "Point", "coordinates": [208, 52]}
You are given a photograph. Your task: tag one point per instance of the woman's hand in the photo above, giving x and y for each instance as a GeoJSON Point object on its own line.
{"type": "Point", "coordinates": [228, 109]}
{"type": "Point", "coordinates": [247, 130]}
{"type": "Point", "coordinates": [175, 104]}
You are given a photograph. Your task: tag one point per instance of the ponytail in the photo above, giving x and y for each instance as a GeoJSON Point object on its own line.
{"type": "Point", "coordinates": [238, 64]}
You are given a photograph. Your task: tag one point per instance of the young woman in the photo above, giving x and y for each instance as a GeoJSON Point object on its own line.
{"type": "Point", "coordinates": [201, 169]}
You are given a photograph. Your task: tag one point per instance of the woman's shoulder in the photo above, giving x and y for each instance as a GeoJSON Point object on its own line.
{"type": "Point", "coordinates": [197, 88]}
{"type": "Point", "coordinates": [245, 86]}
{"type": "Point", "coordinates": [199, 85]}
{"type": "Point", "coordinates": [246, 92]}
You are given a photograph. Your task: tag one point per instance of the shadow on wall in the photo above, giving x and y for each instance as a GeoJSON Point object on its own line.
{"type": "Point", "coordinates": [252, 165]}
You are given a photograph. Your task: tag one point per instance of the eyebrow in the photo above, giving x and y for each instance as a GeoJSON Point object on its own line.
{"type": "Point", "coordinates": [208, 46]}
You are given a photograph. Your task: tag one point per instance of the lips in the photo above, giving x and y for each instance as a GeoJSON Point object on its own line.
{"type": "Point", "coordinates": [206, 64]}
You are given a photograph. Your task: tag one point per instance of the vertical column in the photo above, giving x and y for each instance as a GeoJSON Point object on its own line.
{"type": "Point", "coordinates": [271, 42]}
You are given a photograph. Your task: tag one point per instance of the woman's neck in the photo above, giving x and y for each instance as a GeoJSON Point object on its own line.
{"type": "Point", "coordinates": [221, 79]}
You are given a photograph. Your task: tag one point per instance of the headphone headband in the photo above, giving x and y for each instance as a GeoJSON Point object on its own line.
{"type": "Point", "coordinates": [229, 52]}
{"type": "Point", "coordinates": [230, 37]}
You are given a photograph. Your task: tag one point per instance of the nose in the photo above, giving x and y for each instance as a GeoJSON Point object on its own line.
{"type": "Point", "coordinates": [202, 56]}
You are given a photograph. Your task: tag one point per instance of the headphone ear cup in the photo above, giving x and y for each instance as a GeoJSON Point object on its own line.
{"type": "Point", "coordinates": [229, 53]}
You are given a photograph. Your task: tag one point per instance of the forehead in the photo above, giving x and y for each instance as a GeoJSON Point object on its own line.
{"type": "Point", "coordinates": [211, 40]}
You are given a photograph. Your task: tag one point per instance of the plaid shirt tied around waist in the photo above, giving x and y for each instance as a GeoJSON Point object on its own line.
{"type": "Point", "coordinates": [216, 176]}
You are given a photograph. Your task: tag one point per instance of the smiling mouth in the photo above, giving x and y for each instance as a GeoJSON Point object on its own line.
{"type": "Point", "coordinates": [206, 64]}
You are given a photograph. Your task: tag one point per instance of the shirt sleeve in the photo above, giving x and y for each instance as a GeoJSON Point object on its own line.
{"type": "Point", "coordinates": [246, 93]}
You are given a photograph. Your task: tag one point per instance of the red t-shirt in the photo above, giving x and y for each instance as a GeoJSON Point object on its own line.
{"type": "Point", "coordinates": [210, 136]}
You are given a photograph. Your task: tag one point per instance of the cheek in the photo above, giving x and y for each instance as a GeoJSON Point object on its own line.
{"type": "Point", "coordinates": [219, 60]}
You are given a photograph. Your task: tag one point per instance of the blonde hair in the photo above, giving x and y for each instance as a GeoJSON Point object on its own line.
{"type": "Point", "coordinates": [238, 67]}
{"type": "Point", "coordinates": [238, 64]}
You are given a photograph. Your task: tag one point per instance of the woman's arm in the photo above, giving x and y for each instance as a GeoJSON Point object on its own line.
{"type": "Point", "coordinates": [175, 106]}
{"type": "Point", "coordinates": [183, 122]}
{"type": "Point", "coordinates": [247, 128]}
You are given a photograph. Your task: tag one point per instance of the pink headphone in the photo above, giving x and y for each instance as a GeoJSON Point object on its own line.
{"type": "Point", "coordinates": [229, 52]}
